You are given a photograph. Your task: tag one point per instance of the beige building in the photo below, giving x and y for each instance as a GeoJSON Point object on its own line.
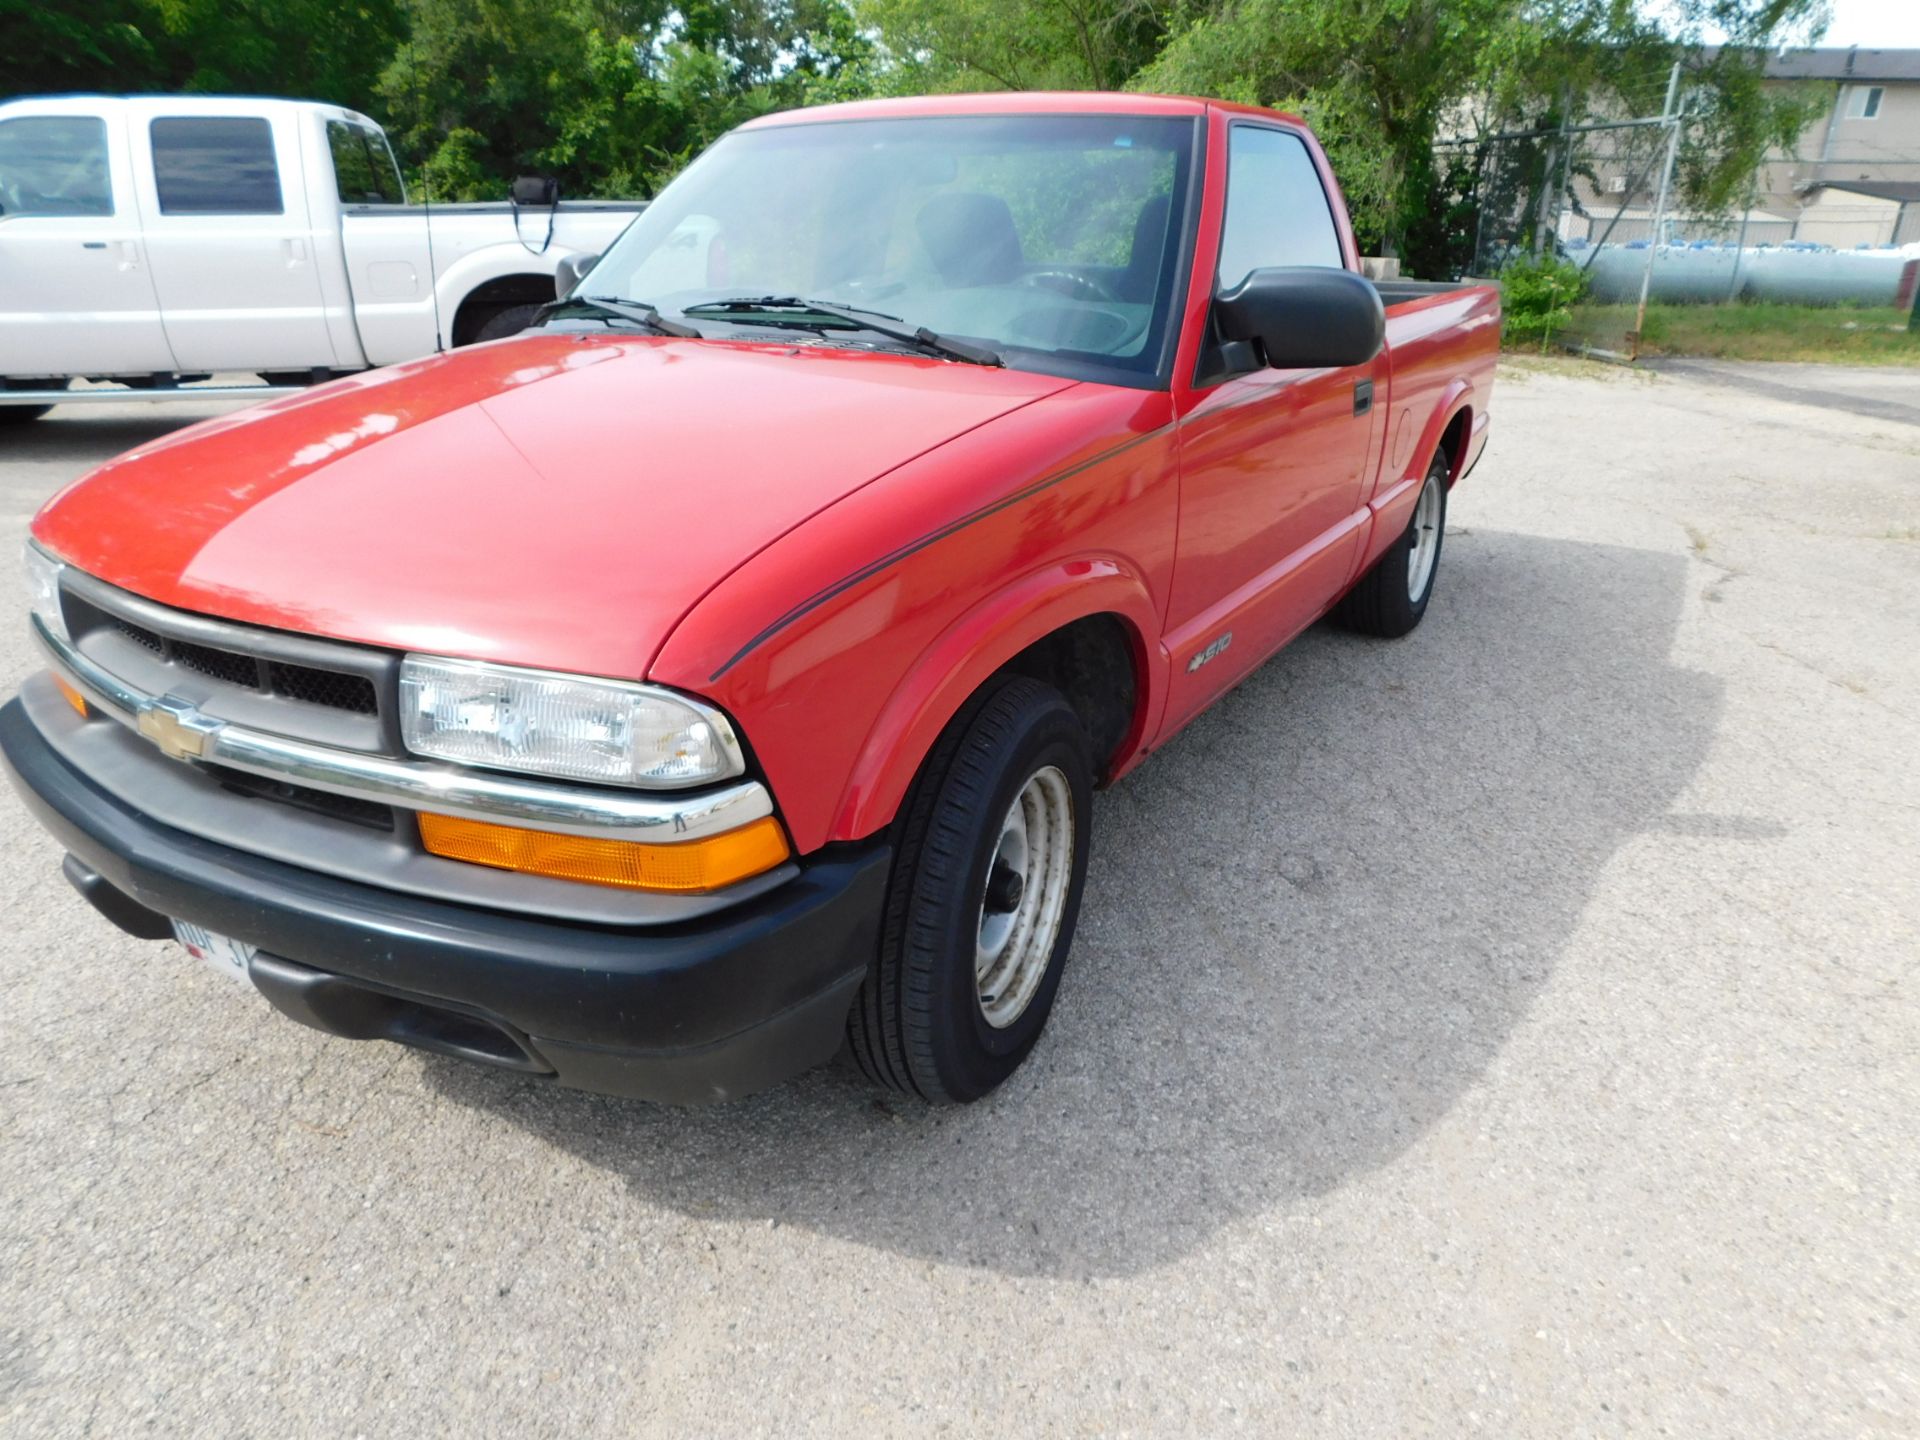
{"type": "Point", "coordinates": [1853, 178]}
{"type": "Point", "coordinates": [1868, 134]}
{"type": "Point", "coordinates": [1846, 213]}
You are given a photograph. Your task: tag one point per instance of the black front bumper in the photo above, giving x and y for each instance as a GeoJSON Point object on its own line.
{"type": "Point", "coordinates": [706, 1010]}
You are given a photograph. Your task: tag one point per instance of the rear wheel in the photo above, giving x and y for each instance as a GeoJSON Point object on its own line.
{"type": "Point", "coordinates": [1393, 595]}
{"type": "Point", "coordinates": [981, 907]}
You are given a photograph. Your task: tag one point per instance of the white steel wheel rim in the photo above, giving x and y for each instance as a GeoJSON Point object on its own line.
{"type": "Point", "coordinates": [1025, 897]}
{"type": "Point", "coordinates": [1426, 539]}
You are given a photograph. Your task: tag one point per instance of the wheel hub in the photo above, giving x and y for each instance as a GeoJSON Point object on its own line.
{"type": "Point", "coordinates": [1004, 889]}
{"type": "Point", "coordinates": [1025, 897]}
{"type": "Point", "coordinates": [1426, 539]}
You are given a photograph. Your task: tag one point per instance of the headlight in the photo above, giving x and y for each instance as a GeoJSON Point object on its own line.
{"type": "Point", "coordinates": [43, 588]}
{"type": "Point", "coordinates": [611, 731]}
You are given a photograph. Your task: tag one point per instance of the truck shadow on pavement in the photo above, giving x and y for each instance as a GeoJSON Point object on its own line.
{"type": "Point", "coordinates": [1310, 925]}
{"type": "Point", "coordinates": [74, 435]}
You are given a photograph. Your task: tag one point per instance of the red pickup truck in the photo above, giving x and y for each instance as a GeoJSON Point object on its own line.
{"type": "Point", "coordinates": [719, 672]}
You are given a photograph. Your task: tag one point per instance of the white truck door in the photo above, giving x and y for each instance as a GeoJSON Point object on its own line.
{"type": "Point", "coordinates": [389, 261]}
{"type": "Point", "coordinates": [231, 241]}
{"type": "Point", "coordinates": [75, 294]}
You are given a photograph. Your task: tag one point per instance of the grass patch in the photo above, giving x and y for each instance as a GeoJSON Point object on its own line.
{"type": "Point", "coordinates": [1835, 334]}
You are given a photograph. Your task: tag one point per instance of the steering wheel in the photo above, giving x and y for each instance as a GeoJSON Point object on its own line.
{"type": "Point", "coordinates": [1071, 283]}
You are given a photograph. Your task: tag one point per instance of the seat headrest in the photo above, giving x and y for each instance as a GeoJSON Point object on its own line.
{"type": "Point", "coordinates": [970, 239]}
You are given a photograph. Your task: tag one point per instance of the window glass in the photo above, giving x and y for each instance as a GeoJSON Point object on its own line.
{"type": "Point", "coordinates": [363, 169]}
{"type": "Point", "coordinates": [1053, 237]}
{"type": "Point", "coordinates": [1864, 103]}
{"type": "Point", "coordinates": [215, 165]}
{"type": "Point", "coordinates": [386, 168]}
{"type": "Point", "coordinates": [1277, 212]}
{"type": "Point", "coordinates": [54, 165]}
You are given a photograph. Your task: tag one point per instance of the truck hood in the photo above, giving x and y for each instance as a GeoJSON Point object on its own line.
{"type": "Point", "coordinates": [553, 500]}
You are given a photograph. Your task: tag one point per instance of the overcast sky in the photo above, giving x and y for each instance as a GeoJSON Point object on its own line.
{"type": "Point", "coordinates": [1880, 24]}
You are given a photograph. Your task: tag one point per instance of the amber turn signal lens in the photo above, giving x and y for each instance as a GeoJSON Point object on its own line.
{"type": "Point", "coordinates": [692, 867]}
{"type": "Point", "coordinates": [72, 694]}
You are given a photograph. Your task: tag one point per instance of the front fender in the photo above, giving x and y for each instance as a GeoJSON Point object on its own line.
{"type": "Point", "coordinates": [843, 648]}
{"type": "Point", "coordinates": [967, 654]}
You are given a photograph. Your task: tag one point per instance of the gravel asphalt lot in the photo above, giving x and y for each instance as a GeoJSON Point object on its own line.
{"type": "Point", "coordinates": [1508, 1030]}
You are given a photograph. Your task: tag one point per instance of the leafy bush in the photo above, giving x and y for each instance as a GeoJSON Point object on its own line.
{"type": "Point", "coordinates": [1538, 296]}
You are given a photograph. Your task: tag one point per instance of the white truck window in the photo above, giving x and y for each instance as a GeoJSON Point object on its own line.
{"type": "Point", "coordinates": [363, 168]}
{"type": "Point", "coordinates": [215, 165]}
{"type": "Point", "coordinates": [54, 165]}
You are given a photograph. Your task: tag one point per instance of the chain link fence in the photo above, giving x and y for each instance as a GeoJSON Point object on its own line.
{"type": "Point", "coordinates": [1839, 236]}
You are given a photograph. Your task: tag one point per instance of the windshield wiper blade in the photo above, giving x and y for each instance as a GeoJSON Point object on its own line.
{"type": "Point", "coordinates": [638, 311]}
{"type": "Point", "coordinates": [792, 309]}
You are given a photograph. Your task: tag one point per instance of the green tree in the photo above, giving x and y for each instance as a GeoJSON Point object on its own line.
{"type": "Point", "coordinates": [1019, 44]}
{"type": "Point", "coordinates": [610, 96]}
{"type": "Point", "coordinates": [1374, 77]}
{"type": "Point", "coordinates": [1380, 78]}
{"type": "Point", "coordinates": [317, 49]}
{"type": "Point", "coordinates": [48, 49]}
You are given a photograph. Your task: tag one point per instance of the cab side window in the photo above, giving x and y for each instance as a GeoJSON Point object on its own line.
{"type": "Point", "coordinates": [363, 169]}
{"type": "Point", "coordinates": [1277, 211]}
{"type": "Point", "coordinates": [54, 165]}
{"type": "Point", "coordinates": [215, 165]}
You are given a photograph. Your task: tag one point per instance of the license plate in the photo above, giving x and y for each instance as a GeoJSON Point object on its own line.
{"type": "Point", "coordinates": [227, 956]}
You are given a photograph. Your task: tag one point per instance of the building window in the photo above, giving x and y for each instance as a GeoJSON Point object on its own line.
{"type": "Point", "coordinates": [1863, 101]}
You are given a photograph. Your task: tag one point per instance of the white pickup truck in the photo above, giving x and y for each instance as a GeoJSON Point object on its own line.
{"type": "Point", "coordinates": [156, 240]}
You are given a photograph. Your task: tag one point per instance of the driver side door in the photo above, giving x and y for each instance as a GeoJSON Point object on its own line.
{"type": "Point", "coordinates": [1273, 462]}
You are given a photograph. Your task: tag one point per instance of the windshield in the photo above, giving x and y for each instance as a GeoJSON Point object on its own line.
{"type": "Point", "coordinates": [1050, 238]}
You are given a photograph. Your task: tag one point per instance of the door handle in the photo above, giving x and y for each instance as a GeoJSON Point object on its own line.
{"type": "Point", "coordinates": [129, 255]}
{"type": "Point", "coordinates": [296, 251]}
{"type": "Point", "coordinates": [93, 244]}
{"type": "Point", "coordinates": [1362, 396]}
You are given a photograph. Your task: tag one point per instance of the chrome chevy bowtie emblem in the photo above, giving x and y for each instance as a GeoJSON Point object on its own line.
{"type": "Point", "coordinates": [179, 729]}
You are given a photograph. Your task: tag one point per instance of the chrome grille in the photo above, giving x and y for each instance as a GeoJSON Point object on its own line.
{"type": "Point", "coordinates": [141, 636]}
{"type": "Point", "coordinates": [308, 684]}
{"type": "Point", "coordinates": [322, 687]}
{"type": "Point", "coordinates": [225, 665]}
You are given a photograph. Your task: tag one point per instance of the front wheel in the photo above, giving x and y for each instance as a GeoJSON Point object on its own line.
{"type": "Point", "coordinates": [981, 907]}
{"type": "Point", "coordinates": [1393, 595]}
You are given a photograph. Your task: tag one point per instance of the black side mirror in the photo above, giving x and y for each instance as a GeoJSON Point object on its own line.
{"type": "Point", "coordinates": [567, 273]}
{"type": "Point", "coordinates": [1301, 317]}
{"type": "Point", "coordinates": [535, 190]}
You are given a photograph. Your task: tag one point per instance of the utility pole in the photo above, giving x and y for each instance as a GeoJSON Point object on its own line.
{"type": "Point", "coordinates": [1740, 245]}
{"type": "Point", "coordinates": [1670, 114]}
{"type": "Point", "coordinates": [1553, 181]}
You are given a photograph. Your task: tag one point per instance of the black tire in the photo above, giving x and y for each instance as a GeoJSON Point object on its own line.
{"type": "Point", "coordinates": [918, 1025]}
{"type": "Point", "coordinates": [1382, 603]}
{"type": "Point", "coordinates": [510, 321]}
